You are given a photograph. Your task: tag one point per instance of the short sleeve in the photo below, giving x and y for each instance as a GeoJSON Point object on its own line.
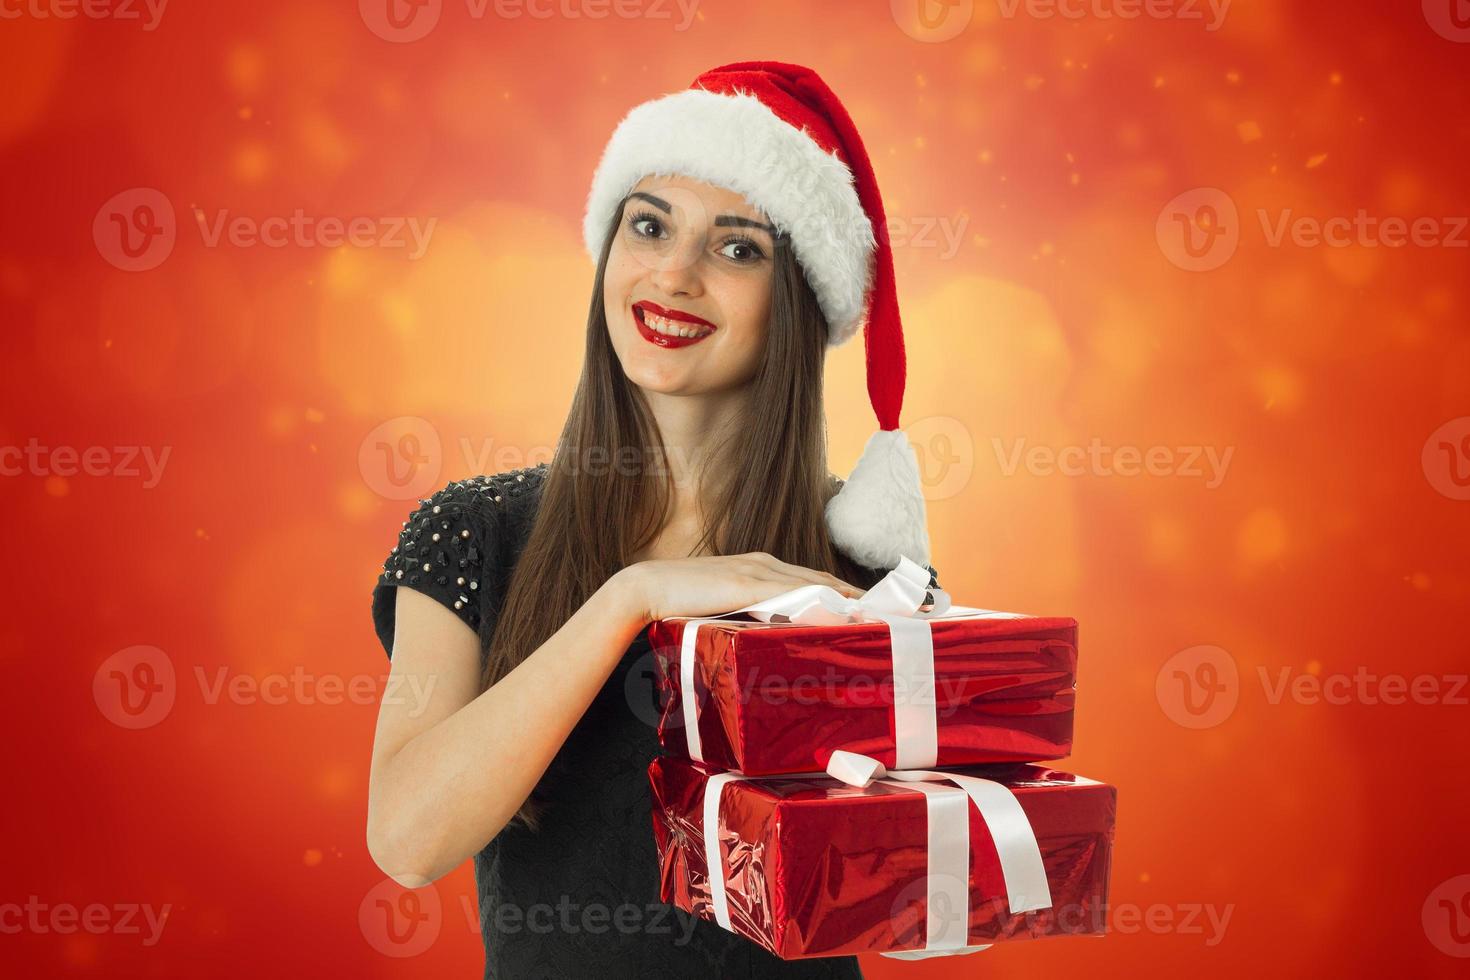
{"type": "Point", "coordinates": [441, 552]}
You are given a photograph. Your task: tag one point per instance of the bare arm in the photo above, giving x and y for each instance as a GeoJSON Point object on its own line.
{"type": "Point", "coordinates": [451, 767]}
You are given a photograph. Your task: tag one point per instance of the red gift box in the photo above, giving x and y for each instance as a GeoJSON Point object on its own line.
{"type": "Point", "coordinates": [778, 697]}
{"type": "Point", "coordinates": [812, 866]}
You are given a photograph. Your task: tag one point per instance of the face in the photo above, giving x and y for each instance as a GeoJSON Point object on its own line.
{"type": "Point", "coordinates": [687, 288]}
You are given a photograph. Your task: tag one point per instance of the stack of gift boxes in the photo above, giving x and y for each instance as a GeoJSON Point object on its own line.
{"type": "Point", "coordinates": [859, 776]}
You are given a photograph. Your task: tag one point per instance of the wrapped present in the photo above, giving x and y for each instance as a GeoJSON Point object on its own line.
{"type": "Point", "coordinates": [776, 687]}
{"type": "Point", "coordinates": [910, 864]}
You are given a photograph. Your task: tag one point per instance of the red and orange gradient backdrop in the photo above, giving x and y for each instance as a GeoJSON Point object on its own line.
{"type": "Point", "coordinates": [1103, 221]}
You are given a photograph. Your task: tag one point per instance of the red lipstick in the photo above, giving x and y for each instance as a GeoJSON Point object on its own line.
{"type": "Point", "coordinates": [678, 316]}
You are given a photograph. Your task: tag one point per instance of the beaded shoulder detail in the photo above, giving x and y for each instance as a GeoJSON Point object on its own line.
{"type": "Point", "coordinates": [492, 489]}
{"type": "Point", "coordinates": [442, 542]}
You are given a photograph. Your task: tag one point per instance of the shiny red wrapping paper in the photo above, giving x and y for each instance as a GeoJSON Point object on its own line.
{"type": "Point", "coordinates": [780, 698]}
{"type": "Point", "coordinates": [814, 867]}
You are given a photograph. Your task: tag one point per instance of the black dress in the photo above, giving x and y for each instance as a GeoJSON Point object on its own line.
{"type": "Point", "coordinates": [579, 897]}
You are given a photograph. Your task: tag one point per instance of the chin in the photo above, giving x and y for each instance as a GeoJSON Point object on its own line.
{"type": "Point", "coordinates": [660, 382]}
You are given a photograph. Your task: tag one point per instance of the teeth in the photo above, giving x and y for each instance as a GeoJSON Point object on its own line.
{"type": "Point", "coordinates": [669, 328]}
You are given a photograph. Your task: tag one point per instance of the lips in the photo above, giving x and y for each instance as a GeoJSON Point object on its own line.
{"type": "Point", "coordinates": [644, 310]}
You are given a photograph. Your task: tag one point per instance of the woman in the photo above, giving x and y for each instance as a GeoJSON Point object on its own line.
{"type": "Point", "coordinates": [690, 479]}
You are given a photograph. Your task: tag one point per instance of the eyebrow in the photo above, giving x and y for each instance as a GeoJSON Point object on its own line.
{"type": "Point", "coordinates": [724, 220]}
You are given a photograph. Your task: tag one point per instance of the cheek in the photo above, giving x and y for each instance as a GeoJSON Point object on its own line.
{"type": "Point", "coordinates": [754, 331]}
{"type": "Point", "coordinates": [752, 314]}
{"type": "Point", "coordinates": [617, 285]}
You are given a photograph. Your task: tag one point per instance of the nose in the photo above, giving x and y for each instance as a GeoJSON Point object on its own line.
{"type": "Point", "coordinates": [677, 271]}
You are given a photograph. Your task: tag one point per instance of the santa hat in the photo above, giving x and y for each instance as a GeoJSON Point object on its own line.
{"type": "Point", "coordinates": [776, 134]}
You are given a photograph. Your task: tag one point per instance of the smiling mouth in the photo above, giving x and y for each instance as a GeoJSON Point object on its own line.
{"type": "Point", "coordinates": [666, 331]}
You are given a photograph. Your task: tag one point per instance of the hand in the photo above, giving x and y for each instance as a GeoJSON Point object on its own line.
{"type": "Point", "coordinates": [704, 586]}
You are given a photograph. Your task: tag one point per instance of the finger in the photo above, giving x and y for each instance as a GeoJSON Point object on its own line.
{"type": "Point", "coordinates": [800, 571]}
{"type": "Point", "coordinates": [831, 581]}
{"type": "Point", "coordinates": [805, 576]}
{"type": "Point", "coordinates": [845, 585]}
{"type": "Point", "coordinates": [799, 576]}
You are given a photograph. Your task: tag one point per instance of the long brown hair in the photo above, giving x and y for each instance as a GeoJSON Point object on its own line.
{"type": "Point", "coordinates": [766, 487]}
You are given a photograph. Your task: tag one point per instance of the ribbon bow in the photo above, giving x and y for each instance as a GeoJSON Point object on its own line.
{"type": "Point", "coordinates": [900, 593]}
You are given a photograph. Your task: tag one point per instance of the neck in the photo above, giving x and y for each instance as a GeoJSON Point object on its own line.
{"type": "Point", "coordinates": [688, 426]}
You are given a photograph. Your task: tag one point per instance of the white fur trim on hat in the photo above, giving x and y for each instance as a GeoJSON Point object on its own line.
{"type": "Point", "coordinates": [878, 515]}
{"type": "Point", "coordinates": [735, 141]}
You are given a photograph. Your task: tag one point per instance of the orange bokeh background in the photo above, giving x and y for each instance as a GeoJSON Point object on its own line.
{"type": "Point", "coordinates": [1028, 164]}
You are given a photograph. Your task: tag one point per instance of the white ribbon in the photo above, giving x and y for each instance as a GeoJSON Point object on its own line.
{"type": "Point", "coordinates": [895, 600]}
{"type": "Point", "coordinates": [714, 860]}
{"type": "Point", "coordinates": [946, 881]}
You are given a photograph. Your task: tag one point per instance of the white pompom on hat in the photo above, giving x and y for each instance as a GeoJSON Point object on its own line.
{"type": "Point", "coordinates": [776, 134]}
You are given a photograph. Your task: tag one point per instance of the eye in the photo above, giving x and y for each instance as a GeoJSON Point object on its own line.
{"type": "Point", "coordinates": [645, 224]}
{"type": "Point", "coordinates": [751, 252]}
